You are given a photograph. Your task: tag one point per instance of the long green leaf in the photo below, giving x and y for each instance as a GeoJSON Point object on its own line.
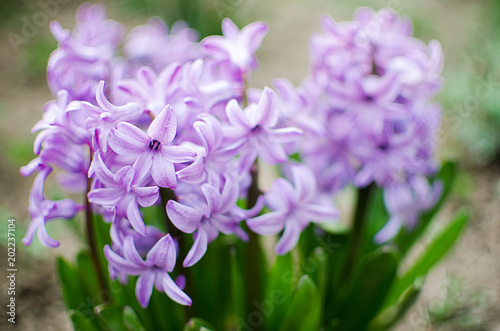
{"type": "Point", "coordinates": [305, 311]}
{"type": "Point", "coordinates": [278, 293]}
{"type": "Point", "coordinates": [131, 321]}
{"type": "Point", "coordinates": [368, 289]}
{"type": "Point", "coordinates": [81, 322]}
{"type": "Point", "coordinates": [389, 317]}
{"type": "Point", "coordinates": [441, 244]}
{"type": "Point", "coordinates": [74, 291]}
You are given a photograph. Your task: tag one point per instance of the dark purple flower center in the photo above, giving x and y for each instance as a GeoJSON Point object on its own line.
{"type": "Point", "coordinates": [154, 144]}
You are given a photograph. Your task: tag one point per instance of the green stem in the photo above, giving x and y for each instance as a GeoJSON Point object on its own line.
{"type": "Point", "coordinates": [253, 272]}
{"type": "Point", "coordinates": [167, 194]}
{"type": "Point", "coordinates": [89, 222]}
{"type": "Point", "coordinates": [356, 241]}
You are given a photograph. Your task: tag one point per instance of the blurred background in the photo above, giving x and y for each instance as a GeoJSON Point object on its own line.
{"type": "Point", "coordinates": [462, 293]}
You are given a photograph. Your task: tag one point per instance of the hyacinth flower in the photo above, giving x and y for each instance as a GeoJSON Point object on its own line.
{"type": "Point", "coordinates": [102, 119]}
{"type": "Point", "coordinates": [236, 46]}
{"type": "Point", "coordinates": [255, 126]}
{"type": "Point", "coordinates": [43, 211]}
{"type": "Point", "coordinates": [155, 45]}
{"type": "Point", "coordinates": [154, 271]}
{"type": "Point", "coordinates": [84, 56]}
{"type": "Point", "coordinates": [151, 90]}
{"type": "Point", "coordinates": [405, 201]}
{"type": "Point", "coordinates": [124, 191]}
{"type": "Point", "coordinates": [208, 214]}
{"type": "Point", "coordinates": [152, 150]}
{"type": "Point", "coordinates": [293, 207]}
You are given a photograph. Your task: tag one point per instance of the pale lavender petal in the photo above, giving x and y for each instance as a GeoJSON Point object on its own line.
{"type": "Point", "coordinates": [236, 116]}
{"type": "Point", "coordinates": [135, 219]}
{"type": "Point", "coordinates": [146, 196]}
{"type": "Point", "coordinates": [183, 217]}
{"type": "Point", "coordinates": [105, 196]}
{"type": "Point", "coordinates": [289, 238]}
{"type": "Point", "coordinates": [174, 292]}
{"type": "Point", "coordinates": [389, 231]}
{"type": "Point", "coordinates": [164, 126]}
{"type": "Point", "coordinates": [163, 254]}
{"type": "Point", "coordinates": [319, 212]}
{"type": "Point", "coordinates": [198, 250]}
{"type": "Point", "coordinates": [285, 135]}
{"type": "Point", "coordinates": [266, 113]}
{"type": "Point", "coordinates": [144, 287]}
{"type": "Point", "coordinates": [178, 154]}
{"type": "Point", "coordinates": [270, 223]}
{"type": "Point", "coordinates": [212, 197]}
{"type": "Point", "coordinates": [194, 173]}
{"type": "Point", "coordinates": [163, 172]}
{"type": "Point", "coordinates": [304, 182]}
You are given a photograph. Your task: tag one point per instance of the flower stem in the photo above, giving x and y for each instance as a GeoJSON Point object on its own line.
{"type": "Point", "coordinates": [253, 254]}
{"type": "Point", "coordinates": [356, 241]}
{"type": "Point", "coordinates": [167, 194]}
{"type": "Point", "coordinates": [89, 222]}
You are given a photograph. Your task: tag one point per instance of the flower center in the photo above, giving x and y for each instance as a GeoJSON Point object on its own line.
{"type": "Point", "coordinates": [154, 144]}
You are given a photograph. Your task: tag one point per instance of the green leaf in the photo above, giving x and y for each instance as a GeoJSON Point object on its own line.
{"type": "Point", "coordinates": [74, 291]}
{"type": "Point", "coordinates": [316, 267]}
{"type": "Point", "coordinates": [434, 252]}
{"type": "Point", "coordinates": [110, 317]}
{"type": "Point", "coordinates": [446, 175]}
{"type": "Point", "coordinates": [88, 271]}
{"type": "Point", "coordinates": [370, 285]}
{"type": "Point", "coordinates": [389, 317]}
{"type": "Point", "coordinates": [278, 293]}
{"type": "Point", "coordinates": [131, 321]}
{"type": "Point", "coordinates": [305, 311]}
{"type": "Point", "coordinates": [237, 287]}
{"type": "Point", "coordinates": [198, 324]}
{"type": "Point", "coordinates": [81, 322]}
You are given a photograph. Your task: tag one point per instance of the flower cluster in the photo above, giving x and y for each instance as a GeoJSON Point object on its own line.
{"type": "Point", "coordinates": [367, 109]}
{"type": "Point", "coordinates": [170, 123]}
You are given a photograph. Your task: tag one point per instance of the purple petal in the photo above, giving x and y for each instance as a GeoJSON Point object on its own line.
{"type": "Point", "coordinates": [144, 287]}
{"type": "Point", "coordinates": [105, 196]}
{"type": "Point", "coordinates": [304, 182]}
{"type": "Point", "coordinates": [163, 253]}
{"type": "Point", "coordinates": [285, 135]}
{"type": "Point", "coordinates": [266, 113]}
{"type": "Point", "coordinates": [319, 212]}
{"type": "Point", "coordinates": [236, 116]}
{"type": "Point", "coordinates": [128, 139]}
{"type": "Point", "coordinates": [267, 224]}
{"type": "Point", "coordinates": [193, 173]}
{"type": "Point", "coordinates": [178, 154]}
{"type": "Point", "coordinates": [135, 219]}
{"type": "Point", "coordinates": [183, 217]}
{"type": "Point", "coordinates": [174, 292]}
{"type": "Point", "coordinates": [253, 34]}
{"type": "Point", "coordinates": [213, 198]}
{"type": "Point", "coordinates": [389, 231]}
{"type": "Point", "coordinates": [146, 196]}
{"type": "Point", "coordinates": [163, 172]}
{"type": "Point", "coordinates": [198, 250]}
{"type": "Point", "coordinates": [289, 239]}
{"type": "Point", "coordinates": [164, 126]}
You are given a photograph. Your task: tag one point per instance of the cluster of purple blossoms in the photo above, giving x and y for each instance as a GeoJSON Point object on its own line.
{"type": "Point", "coordinates": [157, 118]}
{"type": "Point", "coordinates": [367, 111]}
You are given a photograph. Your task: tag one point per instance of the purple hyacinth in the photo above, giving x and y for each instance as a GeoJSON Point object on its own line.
{"type": "Point", "coordinates": [154, 271]}
{"type": "Point", "coordinates": [43, 211]}
{"type": "Point", "coordinates": [152, 150]}
{"type": "Point", "coordinates": [293, 207]}
{"type": "Point", "coordinates": [124, 191]}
